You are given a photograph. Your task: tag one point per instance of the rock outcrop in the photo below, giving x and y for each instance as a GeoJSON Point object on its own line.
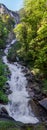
{"type": "Point", "coordinates": [5, 10]}
{"type": "Point", "coordinates": [43, 103]}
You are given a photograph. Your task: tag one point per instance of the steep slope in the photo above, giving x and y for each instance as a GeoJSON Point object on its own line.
{"type": "Point", "coordinates": [4, 10]}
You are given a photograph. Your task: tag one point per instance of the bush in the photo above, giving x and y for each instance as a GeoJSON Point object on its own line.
{"type": "Point", "coordinates": [3, 79]}
{"type": "Point", "coordinates": [3, 97]}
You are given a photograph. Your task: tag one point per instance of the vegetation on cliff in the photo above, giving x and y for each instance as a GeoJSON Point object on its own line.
{"type": "Point", "coordinates": [6, 26]}
{"type": "Point", "coordinates": [31, 34]}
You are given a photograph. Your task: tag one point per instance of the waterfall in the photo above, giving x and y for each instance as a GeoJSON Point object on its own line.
{"type": "Point", "coordinates": [18, 107]}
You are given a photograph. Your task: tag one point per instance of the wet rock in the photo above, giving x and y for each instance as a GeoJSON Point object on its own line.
{"type": "Point", "coordinates": [38, 97]}
{"type": "Point", "coordinates": [37, 89]}
{"type": "Point", "coordinates": [25, 70]}
{"type": "Point", "coordinates": [43, 103]}
{"type": "Point", "coordinates": [38, 80]}
{"type": "Point", "coordinates": [28, 74]}
{"type": "Point", "coordinates": [9, 76]}
{"type": "Point", "coordinates": [30, 78]}
{"type": "Point", "coordinates": [7, 87]}
{"type": "Point", "coordinates": [3, 111]}
{"type": "Point", "coordinates": [31, 93]}
{"type": "Point", "coordinates": [8, 92]}
{"type": "Point", "coordinates": [7, 83]}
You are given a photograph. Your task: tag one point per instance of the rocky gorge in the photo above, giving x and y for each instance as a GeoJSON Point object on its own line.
{"type": "Point", "coordinates": [34, 95]}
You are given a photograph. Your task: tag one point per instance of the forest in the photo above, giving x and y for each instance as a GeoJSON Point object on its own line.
{"type": "Point", "coordinates": [32, 37]}
{"type": "Point", "coordinates": [32, 34]}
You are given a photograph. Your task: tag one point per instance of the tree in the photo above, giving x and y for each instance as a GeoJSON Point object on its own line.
{"type": "Point", "coordinates": [3, 34]}
{"type": "Point", "coordinates": [32, 32]}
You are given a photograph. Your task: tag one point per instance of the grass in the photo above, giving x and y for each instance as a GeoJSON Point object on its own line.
{"type": "Point", "coordinates": [10, 125]}
{"type": "Point", "coordinates": [5, 125]}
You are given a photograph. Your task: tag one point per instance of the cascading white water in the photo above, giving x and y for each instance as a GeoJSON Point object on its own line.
{"type": "Point", "coordinates": [18, 107]}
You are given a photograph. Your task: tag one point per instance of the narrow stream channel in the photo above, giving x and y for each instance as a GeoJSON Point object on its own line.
{"type": "Point", "coordinates": [18, 107]}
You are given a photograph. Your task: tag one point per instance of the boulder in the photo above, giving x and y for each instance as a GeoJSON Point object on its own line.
{"type": "Point", "coordinates": [43, 103]}
{"type": "Point", "coordinates": [3, 111]}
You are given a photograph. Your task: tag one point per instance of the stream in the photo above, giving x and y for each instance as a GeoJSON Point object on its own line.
{"type": "Point", "coordinates": [18, 107]}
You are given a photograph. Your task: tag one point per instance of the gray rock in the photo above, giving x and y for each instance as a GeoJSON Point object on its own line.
{"type": "Point", "coordinates": [8, 92]}
{"type": "Point", "coordinates": [3, 111]}
{"type": "Point", "coordinates": [7, 87]}
{"type": "Point", "coordinates": [37, 89]}
{"type": "Point", "coordinates": [43, 103]}
{"type": "Point", "coordinates": [7, 83]}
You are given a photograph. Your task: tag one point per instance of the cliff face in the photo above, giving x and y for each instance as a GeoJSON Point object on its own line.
{"type": "Point", "coordinates": [5, 10]}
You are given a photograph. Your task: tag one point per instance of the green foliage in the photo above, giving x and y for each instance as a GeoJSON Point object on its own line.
{"type": "Point", "coordinates": [32, 33]}
{"type": "Point", "coordinates": [6, 25]}
{"type": "Point", "coordinates": [21, 13]}
{"type": "Point", "coordinates": [44, 85]}
{"type": "Point", "coordinates": [3, 79]}
{"type": "Point", "coordinates": [9, 21]}
{"type": "Point", "coordinates": [3, 97]}
{"type": "Point", "coordinates": [3, 34]}
{"type": "Point", "coordinates": [7, 124]}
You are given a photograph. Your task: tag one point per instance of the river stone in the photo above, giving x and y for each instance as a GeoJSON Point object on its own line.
{"type": "Point", "coordinates": [28, 74]}
{"type": "Point", "coordinates": [8, 91]}
{"type": "Point", "coordinates": [7, 85]}
{"type": "Point", "coordinates": [9, 76]}
{"type": "Point", "coordinates": [43, 103]}
{"type": "Point", "coordinates": [3, 111]}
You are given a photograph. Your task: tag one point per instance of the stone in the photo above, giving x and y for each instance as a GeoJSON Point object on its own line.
{"type": "Point", "coordinates": [3, 111]}
{"type": "Point", "coordinates": [28, 74]}
{"type": "Point", "coordinates": [7, 87]}
{"type": "Point", "coordinates": [8, 92]}
{"type": "Point", "coordinates": [29, 78]}
{"type": "Point", "coordinates": [7, 83]}
{"type": "Point", "coordinates": [43, 103]}
{"type": "Point", "coordinates": [37, 89]}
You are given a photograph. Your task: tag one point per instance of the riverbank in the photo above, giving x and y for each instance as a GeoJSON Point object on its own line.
{"type": "Point", "coordinates": [5, 124]}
